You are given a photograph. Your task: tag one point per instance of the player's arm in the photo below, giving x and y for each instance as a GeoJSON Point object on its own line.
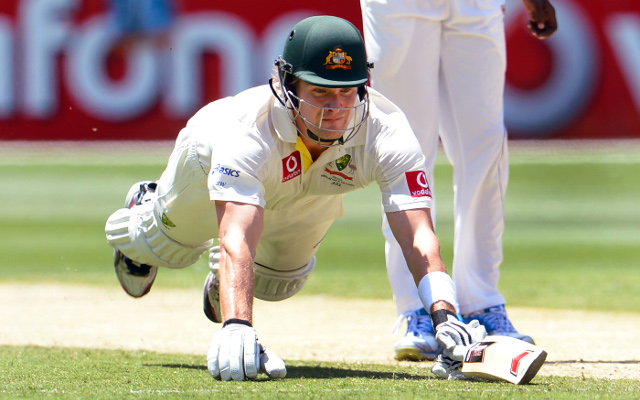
{"type": "Point", "coordinates": [542, 18]}
{"type": "Point", "coordinates": [413, 229]}
{"type": "Point", "coordinates": [235, 352]}
{"type": "Point", "coordinates": [240, 226]}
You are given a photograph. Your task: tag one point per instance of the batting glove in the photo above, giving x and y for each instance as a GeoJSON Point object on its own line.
{"type": "Point", "coordinates": [448, 368]}
{"type": "Point", "coordinates": [235, 354]}
{"type": "Point", "coordinates": [272, 365]}
{"type": "Point", "coordinates": [456, 336]}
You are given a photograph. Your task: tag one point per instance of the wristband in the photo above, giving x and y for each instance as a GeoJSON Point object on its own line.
{"type": "Point", "coordinates": [437, 286]}
{"type": "Point", "coordinates": [440, 316]}
{"type": "Point", "coordinates": [237, 321]}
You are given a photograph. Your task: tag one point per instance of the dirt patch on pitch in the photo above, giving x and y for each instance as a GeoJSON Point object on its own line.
{"type": "Point", "coordinates": [580, 344]}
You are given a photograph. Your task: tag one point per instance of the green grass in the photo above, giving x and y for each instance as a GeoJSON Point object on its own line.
{"type": "Point", "coordinates": [30, 372]}
{"type": "Point", "coordinates": [571, 238]}
{"type": "Point", "coordinates": [568, 219]}
{"type": "Point", "coordinates": [574, 223]}
{"type": "Point", "coordinates": [571, 242]}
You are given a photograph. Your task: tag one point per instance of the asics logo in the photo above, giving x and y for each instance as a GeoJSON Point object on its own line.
{"type": "Point", "coordinates": [219, 169]}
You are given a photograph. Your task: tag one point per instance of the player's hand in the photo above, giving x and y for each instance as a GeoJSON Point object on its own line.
{"type": "Point", "coordinates": [456, 336]}
{"type": "Point", "coordinates": [235, 353]}
{"type": "Point", "coordinates": [272, 365]}
{"type": "Point", "coordinates": [542, 18]}
{"type": "Point", "coordinates": [448, 368]}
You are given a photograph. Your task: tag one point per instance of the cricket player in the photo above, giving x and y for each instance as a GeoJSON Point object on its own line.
{"type": "Point", "coordinates": [443, 63]}
{"type": "Point", "coordinates": [264, 173]}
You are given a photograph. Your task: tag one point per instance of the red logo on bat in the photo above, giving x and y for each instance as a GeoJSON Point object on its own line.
{"type": "Point", "coordinates": [516, 361]}
{"type": "Point", "coordinates": [476, 353]}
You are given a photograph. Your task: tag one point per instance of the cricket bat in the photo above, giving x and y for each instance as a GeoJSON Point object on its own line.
{"type": "Point", "coordinates": [503, 358]}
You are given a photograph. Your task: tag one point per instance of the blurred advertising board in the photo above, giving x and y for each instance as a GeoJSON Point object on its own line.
{"type": "Point", "coordinates": [64, 75]}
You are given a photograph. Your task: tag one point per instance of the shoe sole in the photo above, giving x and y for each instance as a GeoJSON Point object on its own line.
{"type": "Point", "coordinates": [212, 312]}
{"type": "Point", "coordinates": [412, 354]}
{"type": "Point", "coordinates": [129, 203]}
{"type": "Point", "coordinates": [153, 272]}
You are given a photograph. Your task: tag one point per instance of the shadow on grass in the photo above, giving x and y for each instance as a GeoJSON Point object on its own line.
{"type": "Point", "coordinates": [321, 372]}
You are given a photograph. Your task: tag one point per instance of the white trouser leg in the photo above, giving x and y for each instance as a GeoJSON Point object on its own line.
{"type": "Point", "coordinates": [475, 141]}
{"type": "Point", "coordinates": [448, 67]}
{"type": "Point", "coordinates": [405, 53]}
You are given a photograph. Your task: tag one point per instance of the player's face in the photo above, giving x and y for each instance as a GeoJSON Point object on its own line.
{"type": "Point", "coordinates": [330, 109]}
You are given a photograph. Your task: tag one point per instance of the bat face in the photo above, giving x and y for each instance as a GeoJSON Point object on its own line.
{"type": "Point", "coordinates": [504, 358]}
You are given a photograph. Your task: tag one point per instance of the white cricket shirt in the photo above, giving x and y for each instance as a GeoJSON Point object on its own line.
{"type": "Point", "coordinates": [244, 149]}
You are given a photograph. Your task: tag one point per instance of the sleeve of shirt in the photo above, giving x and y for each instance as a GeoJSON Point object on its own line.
{"type": "Point", "coordinates": [237, 163]}
{"type": "Point", "coordinates": [401, 172]}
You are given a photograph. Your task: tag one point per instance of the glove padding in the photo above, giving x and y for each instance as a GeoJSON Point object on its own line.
{"type": "Point", "coordinates": [235, 353]}
{"type": "Point", "coordinates": [456, 337]}
{"type": "Point", "coordinates": [272, 365]}
{"type": "Point", "coordinates": [448, 368]}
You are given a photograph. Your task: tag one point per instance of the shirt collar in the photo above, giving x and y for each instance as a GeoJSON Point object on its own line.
{"type": "Point", "coordinates": [282, 123]}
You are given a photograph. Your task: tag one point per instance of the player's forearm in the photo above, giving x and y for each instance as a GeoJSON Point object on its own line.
{"type": "Point", "coordinates": [424, 256]}
{"type": "Point", "coordinates": [236, 286]}
{"type": "Point", "coordinates": [240, 227]}
{"type": "Point", "coordinates": [413, 230]}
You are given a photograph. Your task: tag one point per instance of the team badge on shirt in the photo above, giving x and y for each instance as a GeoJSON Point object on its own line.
{"type": "Point", "coordinates": [338, 58]}
{"type": "Point", "coordinates": [344, 174]}
{"type": "Point", "coordinates": [418, 185]}
{"type": "Point", "coordinates": [291, 166]}
{"type": "Point", "coordinates": [343, 162]}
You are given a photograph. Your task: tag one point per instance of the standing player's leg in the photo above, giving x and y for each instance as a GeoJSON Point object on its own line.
{"type": "Point", "coordinates": [405, 52]}
{"type": "Point", "coordinates": [475, 141]}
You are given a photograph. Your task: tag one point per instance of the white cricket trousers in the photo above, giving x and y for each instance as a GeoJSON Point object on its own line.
{"type": "Point", "coordinates": [443, 63]}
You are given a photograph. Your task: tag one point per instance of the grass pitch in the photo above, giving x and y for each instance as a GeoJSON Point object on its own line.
{"type": "Point", "coordinates": [32, 372]}
{"type": "Point", "coordinates": [571, 241]}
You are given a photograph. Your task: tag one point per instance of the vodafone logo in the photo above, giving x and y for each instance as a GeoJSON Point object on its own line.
{"type": "Point", "coordinates": [418, 184]}
{"type": "Point", "coordinates": [291, 166]}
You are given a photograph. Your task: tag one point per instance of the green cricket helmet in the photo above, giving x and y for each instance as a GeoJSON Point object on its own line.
{"type": "Point", "coordinates": [327, 51]}
{"type": "Point", "coordinates": [324, 51]}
